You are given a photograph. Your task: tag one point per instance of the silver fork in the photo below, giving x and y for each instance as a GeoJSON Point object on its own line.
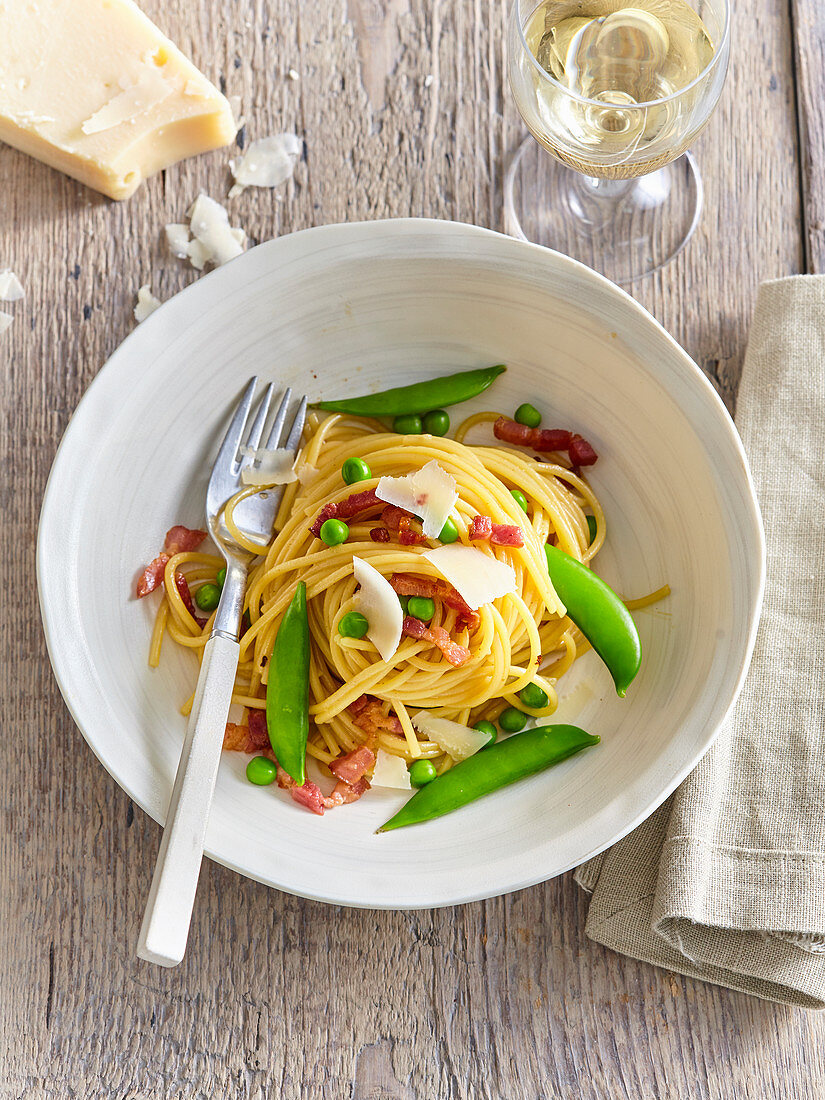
{"type": "Point", "coordinates": [165, 927]}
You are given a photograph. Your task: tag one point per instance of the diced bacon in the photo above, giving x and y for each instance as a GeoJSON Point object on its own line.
{"type": "Point", "coordinates": [380, 534]}
{"type": "Point", "coordinates": [309, 795]}
{"type": "Point", "coordinates": [152, 575]}
{"type": "Point", "coordinates": [180, 540]}
{"type": "Point", "coordinates": [499, 534]}
{"type": "Point", "coordinates": [481, 527]}
{"type": "Point", "coordinates": [344, 793]}
{"type": "Point", "coordinates": [581, 453]}
{"type": "Point", "coordinates": [345, 509]}
{"type": "Point", "coordinates": [370, 717]}
{"type": "Point", "coordinates": [258, 733]}
{"type": "Point", "coordinates": [456, 654]}
{"type": "Point", "coordinates": [539, 439]}
{"type": "Point", "coordinates": [353, 765]}
{"type": "Point", "coordinates": [546, 439]}
{"type": "Point", "coordinates": [182, 586]}
{"type": "Point", "coordinates": [398, 520]}
{"type": "Point", "coordinates": [407, 585]}
{"type": "Point", "coordinates": [357, 705]}
{"type": "Point", "coordinates": [235, 737]}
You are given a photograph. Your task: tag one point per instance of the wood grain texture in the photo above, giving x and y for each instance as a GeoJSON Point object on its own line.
{"type": "Point", "coordinates": [278, 996]}
{"type": "Point", "coordinates": [809, 45]}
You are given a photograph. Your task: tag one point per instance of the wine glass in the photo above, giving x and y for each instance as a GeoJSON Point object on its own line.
{"type": "Point", "coordinates": [615, 90]}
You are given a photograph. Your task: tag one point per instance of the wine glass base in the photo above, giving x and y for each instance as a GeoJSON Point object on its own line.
{"type": "Point", "coordinates": [625, 229]}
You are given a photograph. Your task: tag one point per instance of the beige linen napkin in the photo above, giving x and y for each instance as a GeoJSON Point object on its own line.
{"type": "Point", "coordinates": [726, 881]}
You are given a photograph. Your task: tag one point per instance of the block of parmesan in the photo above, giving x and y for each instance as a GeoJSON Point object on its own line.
{"type": "Point", "coordinates": [92, 88]}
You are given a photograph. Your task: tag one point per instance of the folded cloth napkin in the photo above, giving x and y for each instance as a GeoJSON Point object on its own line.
{"type": "Point", "coordinates": [726, 881]}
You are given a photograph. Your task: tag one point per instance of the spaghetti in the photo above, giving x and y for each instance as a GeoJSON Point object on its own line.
{"type": "Point", "coordinates": [518, 639]}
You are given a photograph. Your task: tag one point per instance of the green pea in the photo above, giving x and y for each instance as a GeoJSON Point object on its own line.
{"type": "Point", "coordinates": [512, 720]}
{"type": "Point", "coordinates": [355, 469]}
{"type": "Point", "coordinates": [437, 422]}
{"type": "Point", "coordinates": [334, 532]}
{"type": "Point", "coordinates": [422, 772]}
{"type": "Point", "coordinates": [408, 425]}
{"type": "Point", "coordinates": [591, 527]}
{"type": "Point", "coordinates": [488, 728]}
{"type": "Point", "coordinates": [353, 625]}
{"type": "Point", "coordinates": [405, 603]}
{"type": "Point", "coordinates": [261, 771]}
{"type": "Point", "coordinates": [520, 499]}
{"type": "Point", "coordinates": [208, 596]}
{"type": "Point", "coordinates": [220, 580]}
{"type": "Point", "coordinates": [449, 532]}
{"type": "Point", "coordinates": [528, 414]}
{"type": "Point", "coordinates": [533, 697]}
{"type": "Point", "coordinates": [421, 607]}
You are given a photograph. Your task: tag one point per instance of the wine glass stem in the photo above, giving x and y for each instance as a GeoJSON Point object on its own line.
{"type": "Point", "coordinates": [595, 202]}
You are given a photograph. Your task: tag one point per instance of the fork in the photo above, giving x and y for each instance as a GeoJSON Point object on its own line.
{"type": "Point", "coordinates": [165, 926]}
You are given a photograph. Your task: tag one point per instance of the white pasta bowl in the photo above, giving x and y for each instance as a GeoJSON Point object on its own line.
{"type": "Point", "coordinates": [348, 309]}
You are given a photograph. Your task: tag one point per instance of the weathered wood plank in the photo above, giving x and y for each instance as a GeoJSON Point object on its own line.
{"type": "Point", "coordinates": [279, 996]}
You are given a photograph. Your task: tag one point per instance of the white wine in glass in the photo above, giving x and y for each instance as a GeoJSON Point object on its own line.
{"type": "Point", "coordinates": [614, 90]}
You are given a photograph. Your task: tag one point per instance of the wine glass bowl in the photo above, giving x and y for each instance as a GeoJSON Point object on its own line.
{"type": "Point", "coordinates": [614, 90]}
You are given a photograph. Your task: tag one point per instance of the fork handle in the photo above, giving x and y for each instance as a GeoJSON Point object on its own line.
{"type": "Point", "coordinates": [165, 927]}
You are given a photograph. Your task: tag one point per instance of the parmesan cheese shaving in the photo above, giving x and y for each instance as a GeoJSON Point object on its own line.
{"type": "Point", "coordinates": [390, 771]}
{"type": "Point", "coordinates": [380, 606]}
{"type": "Point", "coordinates": [177, 237]}
{"type": "Point", "coordinates": [147, 91]}
{"type": "Point", "coordinates": [209, 225]}
{"type": "Point", "coordinates": [266, 163]}
{"type": "Point", "coordinates": [478, 577]}
{"type": "Point", "coordinates": [11, 289]}
{"type": "Point", "coordinates": [268, 467]}
{"type": "Point", "coordinates": [429, 493]}
{"type": "Point", "coordinates": [146, 303]}
{"type": "Point", "coordinates": [456, 740]}
{"type": "Point", "coordinates": [5, 321]}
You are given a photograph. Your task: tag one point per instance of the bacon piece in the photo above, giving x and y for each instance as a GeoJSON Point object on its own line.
{"type": "Point", "coordinates": [369, 716]}
{"type": "Point", "coordinates": [182, 586]}
{"type": "Point", "coordinates": [481, 527]}
{"type": "Point", "coordinates": [345, 509]}
{"type": "Point", "coordinates": [499, 534]}
{"type": "Point", "coordinates": [353, 765]}
{"type": "Point", "coordinates": [540, 439]}
{"type": "Point", "coordinates": [152, 575]}
{"type": "Point", "coordinates": [397, 519]}
{"type": "Point", "coordinates": [235, 737]}
{"type": "Point", "coordinates": [380, 534]}
{"type": "Point", "coordinates": [344, 793]}
{"type": "Point", "coordinates": [258, 732]}
{"type": "Point", "coordinates": [180, 540]}
{"type": "Point", "coordinates": [581, 453]}
{"type": "Point", "coordinates": [407, 585]}
{"type": "Point", "coordinates": [309, 795]}
{"type": "Point", "coordinates": [456, 654]}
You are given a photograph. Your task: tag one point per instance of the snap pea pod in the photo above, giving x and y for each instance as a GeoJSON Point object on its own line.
{"type": "Point", "coordinates": [287, 691]}
{"type": "Point", "coordinates": [498, 765]}
{"type": "Point", "coordinates": [420, 397]}
{"type": "Point", "coordinates": [599, 614]}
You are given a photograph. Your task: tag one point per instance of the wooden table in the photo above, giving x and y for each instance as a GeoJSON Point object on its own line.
{"type": "Point", "coordinates": [280, 997]}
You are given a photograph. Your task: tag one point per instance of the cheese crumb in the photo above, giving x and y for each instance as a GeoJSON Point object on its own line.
{"type": "Point", "coordinates": [11, 289]}
{"type": "Point", "coordinates": [213, 240]}
{"type": "Point", "coordinates": [266, 163]}
{"type": "Point", "coordinates": [177, 237]}
{"type": "Point", "coordinates": [293, 74]}
{"type": "Point", "coordinates": [428, 80]}
{"type": "Point", "coordinates": [146, 303]}
{"type": "Point", "coordinates": [5, 320]}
